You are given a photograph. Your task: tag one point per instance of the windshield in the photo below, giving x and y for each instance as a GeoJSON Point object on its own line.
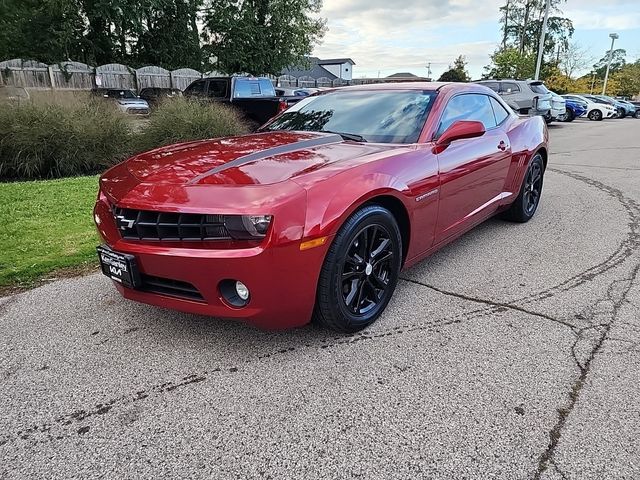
{"type": "Point", "coordinates": [392, 116]}
{"type": "Point", "coordinates": [539, 88]}
{"type": "Point", "coordinates": [121, 94]}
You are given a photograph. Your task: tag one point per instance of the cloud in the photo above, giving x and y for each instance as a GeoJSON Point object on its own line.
{"type": "Point", "coordinates": [388, 36]}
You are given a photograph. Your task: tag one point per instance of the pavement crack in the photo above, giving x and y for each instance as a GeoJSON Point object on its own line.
{"type": "Point", "coordinates": [555, 434]}
{"type": "Point", "coordinates": [493, 303]}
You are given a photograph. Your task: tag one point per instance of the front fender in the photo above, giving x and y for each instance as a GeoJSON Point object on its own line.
{"type": "Point", "coordinates": [329, 206]}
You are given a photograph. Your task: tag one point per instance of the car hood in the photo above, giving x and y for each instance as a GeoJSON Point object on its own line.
{"type": "Point", "coordinates": [257, 159]}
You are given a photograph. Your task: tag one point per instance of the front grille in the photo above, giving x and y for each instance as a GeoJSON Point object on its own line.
{"type": "Point", "coordinates": [138, 110]}
{"type": "Point", "coordinates": [172, 288]}
{"type": "Point", "coordinates": [169, 226]}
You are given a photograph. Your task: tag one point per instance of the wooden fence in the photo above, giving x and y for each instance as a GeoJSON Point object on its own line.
{"type": "Point", "coordinates": [79, 76]}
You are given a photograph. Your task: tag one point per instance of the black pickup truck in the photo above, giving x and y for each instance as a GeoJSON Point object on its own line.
{"type": "Point", "coordinates": [254, 96]}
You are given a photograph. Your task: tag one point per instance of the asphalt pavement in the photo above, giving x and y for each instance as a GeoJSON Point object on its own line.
{"type": "Point", "coordinates": [514, 353]}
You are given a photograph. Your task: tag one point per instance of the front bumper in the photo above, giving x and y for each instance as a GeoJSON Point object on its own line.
{"type": "Point", "coordinates": [281, 278]}
{"type": "Point", "coordinates": [282, 281]}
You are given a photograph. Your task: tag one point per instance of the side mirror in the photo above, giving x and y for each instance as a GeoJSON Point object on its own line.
{"type": "Point", "coordinates": [459, 130]}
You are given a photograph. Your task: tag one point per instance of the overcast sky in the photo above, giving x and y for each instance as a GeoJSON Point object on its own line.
{"type": "Point", "coordinates": [389, 36]}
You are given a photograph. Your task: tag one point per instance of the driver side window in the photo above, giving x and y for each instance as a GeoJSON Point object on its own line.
{"type": "Point", "coordinates": [468, 106]}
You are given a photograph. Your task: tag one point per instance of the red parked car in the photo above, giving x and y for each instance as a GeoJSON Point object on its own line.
{"type": "Point", "coordinates": [316, 214]}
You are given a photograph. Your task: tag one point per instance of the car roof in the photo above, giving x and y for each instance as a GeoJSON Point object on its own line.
{"type": "Point", "coordinates": [431, 86]}
{"type": "Point", "coordinates": [421, 86]}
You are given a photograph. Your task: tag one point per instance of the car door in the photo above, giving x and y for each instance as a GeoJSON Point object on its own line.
{"type": "Point", "coordinates": [472, 171]}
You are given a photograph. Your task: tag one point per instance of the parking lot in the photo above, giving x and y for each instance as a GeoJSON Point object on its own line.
{"type": "Point", "coordinates": [512, 353]}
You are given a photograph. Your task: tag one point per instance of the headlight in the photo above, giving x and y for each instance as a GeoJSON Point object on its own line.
{"type": "Point", "coordinates": [247, 227]}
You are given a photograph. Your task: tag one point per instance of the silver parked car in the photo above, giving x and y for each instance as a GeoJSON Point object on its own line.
{"type": "Point", "coordinates": [126, 100]}
{"type": "Point", "coordinates": [526, 97]}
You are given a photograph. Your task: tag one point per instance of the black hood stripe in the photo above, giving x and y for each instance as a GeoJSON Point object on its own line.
{"type": "Point", "coordinates": [270, 152]}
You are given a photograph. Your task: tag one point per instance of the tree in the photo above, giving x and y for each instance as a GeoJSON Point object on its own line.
{"type": "Point", "coordinates": [617, 62]}
{"type": "Point", "coordinates": [521, 26]}
{"type": "Point", "coordinates": [260, 36]}
{"type": "Point", "coordinates": [47, 30]}
{"type": "Point", "coordinates": [169, 36]}
{"type": "Point", "coordinates": [626, 80]}
{"type": "Point", "coordinates": [510, 63]}
{"type": "Point", "coordinates": [573, 59]}
{"type": "Point", "coordinates": [457, 72]}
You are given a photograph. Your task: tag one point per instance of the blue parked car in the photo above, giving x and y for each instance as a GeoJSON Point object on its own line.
{"type": "Point", "coordinates": [575, 109]}
{"type": "Point", "coordinates": [634, 110]}
{"type": "Point", "coordinates": [622, 109]}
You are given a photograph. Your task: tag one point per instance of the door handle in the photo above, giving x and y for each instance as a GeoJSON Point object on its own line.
{"type": "Point", "coordinates": [502, 146]}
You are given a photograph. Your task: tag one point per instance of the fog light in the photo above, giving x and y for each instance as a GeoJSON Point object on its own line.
{"type": "Point", "coordinates": [234, 293]}
{"type": "Point", "coordinates": [242, 290]}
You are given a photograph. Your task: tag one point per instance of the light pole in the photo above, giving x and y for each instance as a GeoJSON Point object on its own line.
{"type": "Point", "coordinates": [543, 35]}
{"type": "Point", "coordinates": [614, 37]}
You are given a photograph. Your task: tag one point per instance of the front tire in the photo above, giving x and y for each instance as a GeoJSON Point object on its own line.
{"type": "Point", "coordinates": [526, 203]}
{"type": "Point", "coordinates": [360, 271]}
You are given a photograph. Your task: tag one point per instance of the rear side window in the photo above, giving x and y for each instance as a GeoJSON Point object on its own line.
{"type": "Point", "coordinates": [495, 86]}
{"type": "Point", "coordinates": [217, 88]}
{"type": "Point", "coordinates": [499, 111]}
{"type": "Point", "coordinates": [246, 88]}
{"type": "Point", "coordinates": [509, 87]}
{"type": "Point", "coordinates": [266, 87]}
{"type": "Point", "coordinates": [538, 88]}
{"type": "Point", "coordinates": [196, 88]}
{"type": "Point", "coordinates": [471, 106]}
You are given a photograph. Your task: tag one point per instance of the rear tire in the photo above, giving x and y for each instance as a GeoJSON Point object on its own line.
{"type": "Point", "coordinates": [360, 271]}
{"type": "Point", "coordinates": [526, 203]}
{"type": "Point", "coordinates": [595, 115]}
{"type": "Point", "coordinates": [570, 116]}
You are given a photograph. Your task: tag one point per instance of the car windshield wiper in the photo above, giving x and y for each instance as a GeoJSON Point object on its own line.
{"type": "Point", "coordinates": [348, 136]}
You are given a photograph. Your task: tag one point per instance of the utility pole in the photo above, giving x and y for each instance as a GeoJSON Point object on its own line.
{"type": "Point", "coordinates": [593, 81]}
{"type": "Point", "coordinates": [614, 37]}
{"type": "Point", "coordinates": [429, 70]}
{"type": "Point", "coordinates": [506, 26]}
{"type": "Point", "coordinates": [543, 35]}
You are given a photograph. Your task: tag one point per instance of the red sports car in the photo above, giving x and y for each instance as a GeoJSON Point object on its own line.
{"type": "Point", "coordinates": [315, 215]}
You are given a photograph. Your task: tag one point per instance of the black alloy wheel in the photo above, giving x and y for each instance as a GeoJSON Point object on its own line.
{"type": "Point", "coordinates": [360, 271]}
{"type": "Point", "coordinates": [366, 269]}
{"type": "Point", "coordinates": [532, 188]}
{"type": "Point", "coordinates": [526, 203]}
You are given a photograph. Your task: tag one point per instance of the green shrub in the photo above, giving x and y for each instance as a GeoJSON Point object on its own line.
{"type": "Point", "coordinates": [180, 120]}
{"type": "Point", "coordinates": [64, 134]}
{"type": "Point", "coordinates": [61, 136]}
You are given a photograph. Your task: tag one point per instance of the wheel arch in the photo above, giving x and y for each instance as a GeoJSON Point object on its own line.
{"type": "Point", "coordinates": [400, 214]}
{"type": "Point", "coordinates": [545, 155]}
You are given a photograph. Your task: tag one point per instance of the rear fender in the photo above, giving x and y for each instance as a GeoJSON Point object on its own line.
{"type": "Point", "coordinates": [528, 136]}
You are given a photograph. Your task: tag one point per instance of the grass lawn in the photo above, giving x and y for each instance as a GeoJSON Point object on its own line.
{"type": "Point", "coordinates": [46, 225]}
